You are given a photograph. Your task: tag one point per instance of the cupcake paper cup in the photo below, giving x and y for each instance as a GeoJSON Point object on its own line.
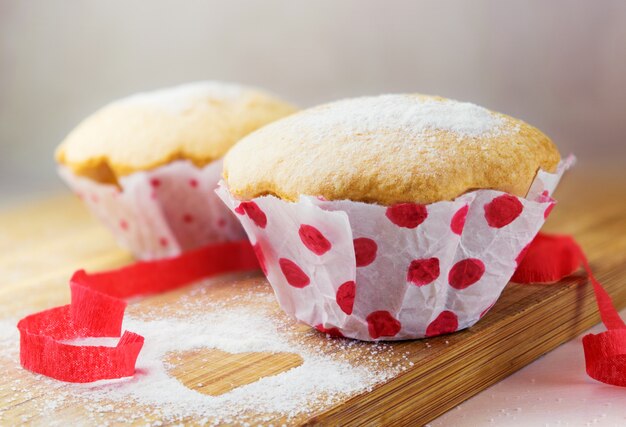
{"type": "Point", "coordinates": [162, 212]}
{"type": "Point", "coordinates": [147, 165]}
{"type": "Point", "coordinates": [406, 271]}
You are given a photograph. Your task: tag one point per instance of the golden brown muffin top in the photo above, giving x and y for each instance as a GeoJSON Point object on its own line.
{"type": "Point", "coordinates": [389, 149]}
{"type": "Point", "coordinates": [198, 122]}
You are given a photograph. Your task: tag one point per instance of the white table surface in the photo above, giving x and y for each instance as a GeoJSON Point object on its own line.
{"type": "Point", "coordinates": [552, 391]}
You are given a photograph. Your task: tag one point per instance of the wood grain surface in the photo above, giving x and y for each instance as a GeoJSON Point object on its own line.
{"type": "Point", "coordinates": [42, 243]}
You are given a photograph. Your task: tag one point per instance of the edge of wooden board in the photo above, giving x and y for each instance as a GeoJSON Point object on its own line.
{"type": "Point", "coordinates": [571, 309]}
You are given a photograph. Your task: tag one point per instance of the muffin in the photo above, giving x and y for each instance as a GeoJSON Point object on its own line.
{"type": "Point", "coordinates": [147, 165]}
{"type": "Point", "coordinates": [391, 217]}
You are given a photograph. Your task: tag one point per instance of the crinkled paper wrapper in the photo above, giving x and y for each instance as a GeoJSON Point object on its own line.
{"type": "Point", "coordinates": [371, 272]}
{"type": "Point", "coordinates": [162, 212]}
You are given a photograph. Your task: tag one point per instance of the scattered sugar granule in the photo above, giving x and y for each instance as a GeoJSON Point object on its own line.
{"type": "Point", "coordinates": [152, 393]}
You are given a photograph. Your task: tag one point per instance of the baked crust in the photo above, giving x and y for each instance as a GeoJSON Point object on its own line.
{"type": "Point", "coordinates": [198, 122]}
{"type": "Point", "coordinates": [389, 149]}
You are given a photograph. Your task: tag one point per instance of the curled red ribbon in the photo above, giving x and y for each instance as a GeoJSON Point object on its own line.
{"type": "Point", "coordinates": [551, 258]}
{"type": "Point", "coordinates": [97, 310]}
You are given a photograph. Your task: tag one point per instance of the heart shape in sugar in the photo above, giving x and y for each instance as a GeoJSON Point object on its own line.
{"type": "Point", "coordinates": [215, 372]}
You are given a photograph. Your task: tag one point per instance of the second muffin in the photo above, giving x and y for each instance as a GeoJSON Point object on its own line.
{"type": "Point", "coordinates": [147, 165]}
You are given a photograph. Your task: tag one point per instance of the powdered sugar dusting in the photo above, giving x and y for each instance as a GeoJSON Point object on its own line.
{"type": "Point", "coordinates": [412, 115]}
{"type": "Point", "coordinates": [235, 332]}
{"type": "Point", "coordinates": [245, 321]}
{"type": "Point", "coordinates": [180, 98]}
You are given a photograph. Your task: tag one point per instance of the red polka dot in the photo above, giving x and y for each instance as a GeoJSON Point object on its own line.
{"type": "Point", "coordinates": [545, 197]}
{"type": "Point", "coordinates": [548, 210]}
{"type": "Point", "coordinates": [445, 323]}
{"type": "Point", "coordinates": [333, 332]}
{"type": "Point", "coordinates": [293, 273]}
{"type": "Point", "coordinates": [254, 212]}
{"type": "Point", "coordinates": [503, 210]}
{"type": "Point", "coordinates": [123, 224]}
{"type": "Point", "coordinates": [193, 183]}
{"type": "Point", "coordinates": [260, 256]}
{"type": "Point", "coordinates": [187, 218]}
{"type": "Point", "coordinates": [382, 324]}
{"type": "Point", "coordinates": [345, 296]}
{"type": "Point", "coordinates": [423, 271]}
{"type": "Point", "coordinates": [364, 251]}
{"type": "Point", "coordinates": [482, 313]}
{"type": "Point", "coordinates": [163, 242]}
{"type": "Point", "coordinates": [465, 273]}
{"type": "Point", "coordinates": [221, 223]}
{"type": "Point", "coordinates": [522, 254]}
{"type": "Point", "coordinates": [458, 220]}
{"type": "Point", "coordinates": [314, 240]}
{"type": "Point", "coordinates": [155, 182]}
{"type": "Point", "coordinates": [408, 215]}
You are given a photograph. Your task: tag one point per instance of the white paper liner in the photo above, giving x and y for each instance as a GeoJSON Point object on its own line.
{"type": "Point", "coordinates": [390, 302]}
{"type": "Point", "coordinates": [161, 212]}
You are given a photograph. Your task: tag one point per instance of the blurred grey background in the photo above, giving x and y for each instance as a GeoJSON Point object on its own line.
{"type": "Point", "coordinates": [560, 65]}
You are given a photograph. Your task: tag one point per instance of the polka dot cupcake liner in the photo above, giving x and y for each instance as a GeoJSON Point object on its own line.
{"type": "Point", "coordinates": [406, 271]}
{"type": "Point", "coordinates": [162, 212]}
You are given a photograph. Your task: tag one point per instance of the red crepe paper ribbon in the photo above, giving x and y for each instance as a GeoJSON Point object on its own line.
{"type": "Point", "coordinates": [548, 259]}
{"type": "Point", "coordinates": [97, 310]}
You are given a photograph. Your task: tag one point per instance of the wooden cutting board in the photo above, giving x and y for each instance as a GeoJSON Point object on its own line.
{"type": "Point", "coordinates": [41, 244]}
